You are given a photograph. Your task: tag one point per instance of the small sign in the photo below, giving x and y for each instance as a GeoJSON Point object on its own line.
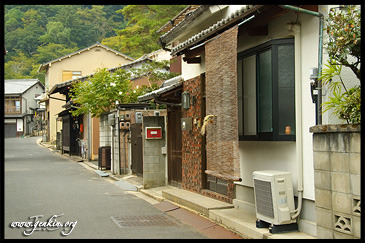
{"type": "Point", "coordinates": [153, 133]}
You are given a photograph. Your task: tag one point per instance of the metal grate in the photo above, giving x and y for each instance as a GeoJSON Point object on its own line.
{"type": "Point", "coordinates": [145, 220]}
{"type": "Point", "coordinates": [264, 204]}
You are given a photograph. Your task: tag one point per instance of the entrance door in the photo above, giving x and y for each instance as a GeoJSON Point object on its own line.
{"type": "Point", "coordinates": [66, 133]}
{"type": "Point", "coordinates": [174, 146]}
{"type": "Point", "coordinates": [10, 130]}
{"type": "Point", "coordinates": [137, 153]}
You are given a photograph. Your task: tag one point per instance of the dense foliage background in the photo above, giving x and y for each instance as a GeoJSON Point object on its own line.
{"type": "Point", "coordinates": [35, 34]}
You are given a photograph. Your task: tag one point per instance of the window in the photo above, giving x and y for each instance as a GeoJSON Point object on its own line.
{"type": "Point", "coordinates": [266, 92]}
{"type": "Point", "coordinates": [68, 75]}
{"type": "Point", "coordinates": [13, 105]}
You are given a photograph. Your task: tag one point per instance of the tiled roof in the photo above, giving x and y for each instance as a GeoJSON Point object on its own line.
{"type": "Point", "coordinates": [97, 44]}
{"type": "Point", "coordinates": [212, 29]}
{"type": "Point", "coordinates": [167, 85]}
{"type": "Point", "coordinates": [18, 86]}
{"type": "Point", "coordinates": [178, 18]}
{"type": "Point", "coordinates": [82, 78]}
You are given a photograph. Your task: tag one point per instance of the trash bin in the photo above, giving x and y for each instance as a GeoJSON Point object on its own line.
{"type": "Point", "coordinates": [104, 158]}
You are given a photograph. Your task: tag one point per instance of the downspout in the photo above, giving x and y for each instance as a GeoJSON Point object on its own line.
{"type": "Point", "coordinates": [112, 150]}
{"type": "Point", "coordinates": [88, 136]}
{"type": "Point", "coordinates": [296, 28]}
{"type": "Point", "coordinates": [118, 131]}
{"type": "Point", "coordinates": [298, 95]}
{"type": "Point", "coordinates": [125, 153]}
{"type": "Point", "coordinates": [320, 53]}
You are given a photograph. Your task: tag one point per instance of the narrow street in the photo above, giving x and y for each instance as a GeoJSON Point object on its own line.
{"type": "Point", "coordinates": [65, 200]}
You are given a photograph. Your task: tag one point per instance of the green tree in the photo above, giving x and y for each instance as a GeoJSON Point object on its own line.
{"type": "Point", "coordinates": [52, 51]}
{"type": "Point", "coordinates": [344, 32]}
{"type": "Point", "coordinates": [95, 18]}
{"type": "Point", "coordinates": [19, 67]}
{"type": "Point", "coordinates": [26, 39]}
{"type": "Point", "coordinates": [99, 94]}
{"type": "Point", "coordinates": [140, 37]}
{"type": "Point", "coordinates": [343, 28]}
{"type": "Point", "coordinates": [57, 33]}
{"type": "Point", "coordinates": [13, 20]}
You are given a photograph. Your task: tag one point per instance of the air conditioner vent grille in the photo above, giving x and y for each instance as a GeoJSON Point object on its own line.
{"type": "Point", "coordinates": [264, 204]}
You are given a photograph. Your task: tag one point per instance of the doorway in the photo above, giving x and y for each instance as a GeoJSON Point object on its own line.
{"type": "Point", "coordinates": [137, 152]}
{"type": "Point", "coordinates": [174, 146]}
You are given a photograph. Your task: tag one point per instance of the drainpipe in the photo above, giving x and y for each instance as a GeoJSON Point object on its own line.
{"type": "Point", "coordinates": [320, 53]}
{"type": "Point", "coordinates": [296, 28]}
{"type": "Point", "coordinates": [299, 134]}
{"type": "Point", "coordinates": [125, 153]}
{"type": "Point", "coordinates": [88, 136]}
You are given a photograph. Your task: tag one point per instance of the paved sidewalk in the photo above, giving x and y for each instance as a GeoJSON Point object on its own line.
{"type": "Point", "coordinates": [188, 205]}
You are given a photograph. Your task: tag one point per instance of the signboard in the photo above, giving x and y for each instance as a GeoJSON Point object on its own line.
{"type": "Point", "coordinates": [153, 133]}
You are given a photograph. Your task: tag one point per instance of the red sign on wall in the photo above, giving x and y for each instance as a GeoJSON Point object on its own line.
{"type": "Point", "coordinates": [153, 133]}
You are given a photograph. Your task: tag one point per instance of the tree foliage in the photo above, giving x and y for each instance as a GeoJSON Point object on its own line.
{"type": "Point", "coordinates": [41, 33]}
{"type": "Point", "coordinates": [140, 37]}
{"type": "Point", "coordinates": [100, 93]}
{"type": "Point", "coordinates": [344, 31]}
{"type": "Point", "coordinates": [343, 28]}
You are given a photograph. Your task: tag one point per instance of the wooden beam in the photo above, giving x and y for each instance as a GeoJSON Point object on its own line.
{"type": "Point", "coordinates": [192, 60]}
{"type": "Point", "coordinates": [267, 14]}
{"type": "Point", "coordinates": [259, 30]}
{"type": "Point", "coordinates": [195, 52]}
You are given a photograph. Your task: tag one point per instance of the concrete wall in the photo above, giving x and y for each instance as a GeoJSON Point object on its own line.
{"type": "Point", "coordinates": [337, 180]}
{"type": "Point", "coordinates": [154, 162]}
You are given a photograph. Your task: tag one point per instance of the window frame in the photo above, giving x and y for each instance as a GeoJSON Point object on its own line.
{"type": "Point", "coordinates": [274, 135]}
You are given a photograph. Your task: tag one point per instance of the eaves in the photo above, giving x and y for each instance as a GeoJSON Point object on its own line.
{"type": "Point", "coordinates": [219, 26]}
{"type": "Point", "coordinates": [97, 44]}
{"type": "Point", "coordinates": [57, 87]}
{"type": "Point", "coordinates": [182, 25]}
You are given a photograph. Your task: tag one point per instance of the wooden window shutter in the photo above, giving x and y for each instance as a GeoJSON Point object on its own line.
{"type": "Point", "coordinates": [66, 75]}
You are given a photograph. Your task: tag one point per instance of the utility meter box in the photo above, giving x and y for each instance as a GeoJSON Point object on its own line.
{"type": "Point", "coordinates": [153, 132]}
{"type": "Point", "coordinates": [186, 124]}
{"type": "Point", "coordinates": [111, 119]}
{"type": "Point", "coordinates": [138, 116]}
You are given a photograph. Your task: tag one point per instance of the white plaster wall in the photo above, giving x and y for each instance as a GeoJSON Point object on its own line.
{"type": "Point", "coordinates": [282, 155]}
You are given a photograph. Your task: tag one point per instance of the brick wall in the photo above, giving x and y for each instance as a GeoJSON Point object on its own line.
{"type": "Point", "coordinates": [192, 167]}
{"type": "Point", "coordinates": [193, 154]}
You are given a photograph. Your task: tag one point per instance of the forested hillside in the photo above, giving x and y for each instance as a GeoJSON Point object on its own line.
{"type": "Point", "coordinates": [35, 34]}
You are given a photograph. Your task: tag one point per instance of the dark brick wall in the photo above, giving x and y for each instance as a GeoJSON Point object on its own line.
{"type": "Point", "coordinates": [222, 135]}
{"type": "Point", "coordinates": [192, 167]}
{"type": "Point", "coordinates": [193, 161]}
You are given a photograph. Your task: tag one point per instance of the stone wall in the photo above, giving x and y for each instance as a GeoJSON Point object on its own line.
{"type": "Point", "coordinates": [336, 156]}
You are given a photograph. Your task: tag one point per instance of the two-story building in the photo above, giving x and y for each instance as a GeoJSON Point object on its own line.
{"type": "Point", "coordinates": [246, 94]}
{"type": "Point", "coordinates": [80, 63]}
{"type": "Point", "coordinates": [20, 106]}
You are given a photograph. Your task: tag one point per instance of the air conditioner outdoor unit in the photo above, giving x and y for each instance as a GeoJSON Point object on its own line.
{"type": "Point", "coordinates": [274, 200]}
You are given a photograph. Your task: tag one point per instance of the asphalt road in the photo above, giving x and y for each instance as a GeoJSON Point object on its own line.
{"type": "Point", "coordinates": [47, 195]}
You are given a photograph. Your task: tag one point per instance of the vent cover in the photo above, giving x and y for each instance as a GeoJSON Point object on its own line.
{"type": "Point", "coordinates": [263, 196]}
{"type": "Point", "coordinates": [274, 197]}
